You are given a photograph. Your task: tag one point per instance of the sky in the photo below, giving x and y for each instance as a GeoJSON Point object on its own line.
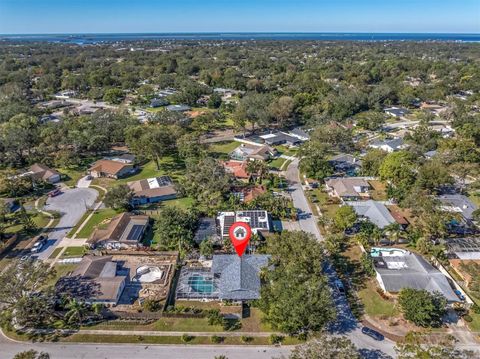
{"type": "Point", "coordinates": [130, 16]}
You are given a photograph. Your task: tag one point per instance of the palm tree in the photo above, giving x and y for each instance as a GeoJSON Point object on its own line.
{"type": "Point", "coordinates": [393, 231]}
{"type": "Point", "coordinates": [76, 312]}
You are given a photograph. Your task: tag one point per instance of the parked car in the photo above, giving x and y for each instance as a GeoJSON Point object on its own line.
{"type": "Point", "coordinates": [372, 333]}
{"type": "Point", "coordinates": [37, 247]}
{"type": "Point", "coordinates": [54, 192]}
{"type": "Point", "coordinates": [459, 294]}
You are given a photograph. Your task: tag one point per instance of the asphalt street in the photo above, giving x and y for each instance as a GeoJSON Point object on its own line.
{"type": "Point", "coordinates": [346, 323]}
{"type": "Point", "coordinates": [72, 203]}
{"type": "Point", "coordinates": [9, 348]}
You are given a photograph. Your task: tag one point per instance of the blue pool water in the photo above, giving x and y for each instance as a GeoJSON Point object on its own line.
{"type": "Point", "coordinates": [201, 284]}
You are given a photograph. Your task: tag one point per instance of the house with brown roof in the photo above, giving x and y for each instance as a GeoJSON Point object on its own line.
{"type": "Point", "coordinates": [41, 172]}
{"type": "Point", "coordinates": [237, 168]}
{"type": "Point", "coordinates": [97, 279]}
{"type": "Point", "coordinates": [111, 169]}
{"type": "Point", "coordinates": [248, 194]}
{"type": "Point", "coordinates": [348, 188]}
{"type": "Point", "coordinates": [125, 230]}
{"type": "Point", "coordinates": [152, 190]}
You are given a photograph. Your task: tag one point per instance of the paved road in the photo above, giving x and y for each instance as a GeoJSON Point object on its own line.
{"type": "Point", "coordinates": [72, 204]}
{"type": "Point", "coordinates": [346, 323]}
{"type": "Point", "coordinates": [306, 219]}
{"type": "Point", "coordinates": [9, 348]}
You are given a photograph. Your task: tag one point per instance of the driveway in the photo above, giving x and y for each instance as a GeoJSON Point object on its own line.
{"type": "Point", "coordinates": [72, 204]}
{"type": "Point", "coordinates": [345, 324]}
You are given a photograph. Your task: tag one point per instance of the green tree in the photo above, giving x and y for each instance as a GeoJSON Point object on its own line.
{"type": "Point", "coordinates": [119, 198]}
{"type": "Point", "coordinates": [345, 217]}
{"type": "Point", "coordinates": [296, 281]}
{"type": "Point", "coordinates": [372, 161]}
{"type": "Point", "coordinates": [371, 120]}
{"type": "Point", "coordinates": [175, 229]}
{"type": "Point", "coordinates": [113, 96]}
{"type": "Point", "coordinates": [215, 101]}
{"type": "Point", "coordinates": [206, 248]}
{"type": "Point", "coordinates": [325, 346]}
{"type": "Point", "coordinates": [421, 307]}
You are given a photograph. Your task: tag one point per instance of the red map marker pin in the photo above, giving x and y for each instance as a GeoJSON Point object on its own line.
{"type": "Point", "coordinates": [240, 233]}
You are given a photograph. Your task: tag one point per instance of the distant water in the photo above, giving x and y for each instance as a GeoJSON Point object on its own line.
{"type": "Point", "coordinates": [83, 39]}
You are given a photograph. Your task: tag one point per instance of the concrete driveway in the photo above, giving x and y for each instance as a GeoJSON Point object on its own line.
{"type": "Point", "coordinates": [72, 204]}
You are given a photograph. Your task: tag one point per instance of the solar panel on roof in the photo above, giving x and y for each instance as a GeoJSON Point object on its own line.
{"type": "Point", "coordinates": [135, 233]}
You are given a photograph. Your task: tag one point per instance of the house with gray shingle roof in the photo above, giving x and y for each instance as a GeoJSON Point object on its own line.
{"type": "Point", "coordinates": [376, 212]}
{"type": "Point", "coordinates": [398, 269]}
{"type": "Point", "coordinates": [238, 277]}
{"type": "Point", "coordinates": [391, 145]}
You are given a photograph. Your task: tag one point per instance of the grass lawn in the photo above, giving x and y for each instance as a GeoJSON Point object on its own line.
{"type": "Point", "coordinates": [170, 166]}
{"type": "Point", "coordinates": [74, 252]}
{"type": "Point", "coordinates": [73, 175]}
{"type": "Point", "coordinates": [41, 220]}
{"type": "Point", "coordinates": [475, 197]}
{"type": "Point", "coordinates": [224, 148]}
{"type": "Point", "coordinates": [287, 151]}
{"type": "Point", "coordinates": [475, 324]}
{"type": "Point", "coordinates": [55, 253]}
{"type": "Point", "coordinates": [184, 202]}
{"type": "Point", "coordinates": [378, 192]}
{"type": "Point", "coordinates": [186, 324]}
{"type": "Point", "coordinates": [98, 220]}
{"type": "Point", "coordinates": [277, 163]}
{"type": "Point", "coordinates": [75, 228]}
{"type": "Point", "coordinates": [374, 304]}
{"type": "Point", "coordinates": [61, 270]}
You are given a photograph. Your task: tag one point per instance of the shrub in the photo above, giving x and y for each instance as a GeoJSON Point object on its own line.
{"type": "Point", "coordinates": [215, 318]}
{"type": "Point", "coordinates": [216, 339]}
{"type": "Point", "coordinates": [246, 339]}
{"type": "Point", "coordinates": [275, 339]}
{"type": "Point", "coordinates": [476, 308]}
{"type": "Point", "coordinates": [467, 318]}
{"type": "Point", "coordinates": [187, 338]}
{"type": "Point", "coordinates": [231, 324]}
{"type": "Point", "coordinates": [151, 305]}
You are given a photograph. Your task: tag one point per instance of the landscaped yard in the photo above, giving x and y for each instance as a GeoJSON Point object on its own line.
{"type": "Point", "coordinates": [72, 252]}
{"type": "Point", "coordinates": [287, 151]}
{"type": "Point", "coordinates": [277, 163]}
{"type": "Point", "coordinates": [98, 220]}
{"type": "Point", "coordinates": [224, 148]}
{"type": "Point", "coordinates": [378, 191]}
{"type": "Point", "coordinates": [374, 304]}
{"type": "Point", "coordinates": [61, 270]}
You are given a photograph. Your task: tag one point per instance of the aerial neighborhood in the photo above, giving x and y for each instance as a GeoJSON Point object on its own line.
{"type": "Point", "coordinates": [123, 167]}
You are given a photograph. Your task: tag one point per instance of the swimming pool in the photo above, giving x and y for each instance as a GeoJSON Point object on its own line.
{"type": "Point", "coordinates": [386, 252]}
{"type": "Point", "coordinates": [201, 284]}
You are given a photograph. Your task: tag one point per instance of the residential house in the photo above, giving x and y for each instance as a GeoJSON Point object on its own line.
{"type": "Point", "coordinates": [178, 108]}
{"type": "Point", "coordinates": [348, 188]}
{"type": "Point", "coordinates": [253, 152]}
{"type": "Point", "coordinates": [249, 193]}
{"type": "Point", "coordinates": [126, 158]}
{"type": "Point", "coordinates": [228, 277]}
{"type": "Point", "coordinates": [280, 138]}
{"type": "Point", "coordinates": [300, 134]}
{"type": "Point", "coordinates": [397, 111]}
{"type": "Point", "coordinates": [345, 163]}
{"type": "Point", "coordinates": [237, 168]}
{"type": "Point", "coordinates": [125, 230]}
{"type": "Point", "coordinates": [111, 169]}
{"type": "Point", "coordinates": [158, 102]}
{"type": "Point", "coordinates": [377, 213]}
{"type": "Point", "coordinates": [433, 107]}
{"type": "Point", "coordinates": [95, 280]}
{"type": "Point", "coordinates": [258, 220]}
{"type": "Point", "coordinates": [167, 92]}
{"type": "Point", "coordinates": [41, 172]}
{"type": "Point", "coordinates": [66, 94]}
{"type": "Point", "coordinates": [397, 269]}
{"type": "Point", "coordinates": [152, 190]}
{"type": "Point", "coordinates": [467, 248]}
{"type": "Point", "coordinates": [390, 145]}
{"type": "Point", "coordinates": [458, 203]}
{"type": "Point", "coordinates": [238, 278]}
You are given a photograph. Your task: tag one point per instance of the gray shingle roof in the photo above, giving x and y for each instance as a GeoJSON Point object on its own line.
{"type": "Point", "coordinates": [238, 277]}
{"type": "Point", "coordinates": [458, 203]}
{"type": "Point", "coordinates": [412, 271]}
{"type": "Point", "coordinates": [375, 211]}
{"type": "Point", "coordinates": [393, 143]}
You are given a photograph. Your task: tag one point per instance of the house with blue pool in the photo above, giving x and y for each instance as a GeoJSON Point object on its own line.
{"type": "Point", "coordinates": [226, 277]}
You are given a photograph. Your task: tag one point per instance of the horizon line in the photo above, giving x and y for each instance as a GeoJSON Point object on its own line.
{"type": "Point", "coordinates": [238, 32]}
